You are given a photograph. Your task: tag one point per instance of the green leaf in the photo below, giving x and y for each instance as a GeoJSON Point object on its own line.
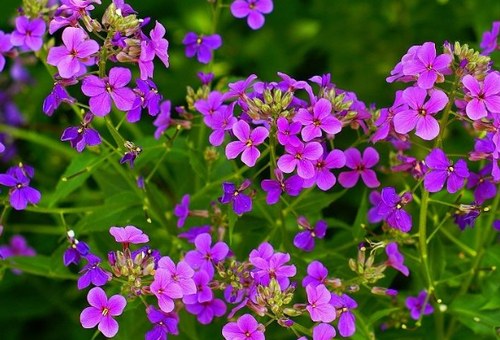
{"type": "Point", "coordinates": [436, 252]}
{"type": "Point", "coordinates": [380, 314]}
{"type": "Point", "coordinates": [316, 201]}
{"type": "Point", "coordinates": [468, 310]}
{"type": "Point", "coordinates": [232, 218]}
{"type": "Point", "coordinates": [40, 265]}
{"type": "Point", "coordinates": [198, 163]}
{"type": "Point", "coordinates": [358, 228]}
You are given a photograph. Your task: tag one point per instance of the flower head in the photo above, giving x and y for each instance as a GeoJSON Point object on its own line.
{"type": "Point", "coordinates": [391, 207]}
{"type": "Point", "coordinates": [206, 255]}
{"type": "Point", "coordinates": [165, 290]}
{"type": "Point", "coordinates": [274, 188]}
{"type": "Point", "coordinates": [83, 135]}
{"type": "Point", "coordinates": [20, 193]}
{"type": "Point", "coordinates": [201, 46]}
{"type": "Point", "coordinates": [360, 167]}
{"type": "Point", "coordinates": [305, 239]}
{"type": "Point", "coordinates": [483, 97]}
{"type": "Point", "coordinates": [347, 321]}
{"type": "Point", "coordinates": [490, 39]}
{"type": "Point", "coordinates": [415, 304]}
{"type": "Point", "coordinates": [319, 306]}
{"type": "Point", "coordinates": [301, 157]}
{"type": "Point", "coordinates": [28, 33]}
{"type": "Point", "coordinates": [246, 328]}
{"type": "Point", "coordinates": [164, 324]}
{"type": "Point", "coordinates": [247, 144]}
{"type": "Point", "coordinates": [241, 203]}
{"type": "Point", "coordinates": [93, 273]}
{"type": "Point", "coordinates": [206, 311]}
{"type": "Point", "coordinates": [442, 170]}
{"type": "Point", "coordinates": [253, 10]}
{"type": "Point", "coordinates": [128, 234]}
{"type": "Point", "coordinates": [316, 274]}
{"type": "Point", "coordinates": [320, 119]}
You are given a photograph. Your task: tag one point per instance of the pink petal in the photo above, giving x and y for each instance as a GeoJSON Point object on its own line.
{"type": "Point", "coordinates": [427, 128]}
{"type": "Point", "coordinates": [405, 121]}
{"type": "Point", "coordinates": [242, 131]}
{"type": "Point", "coordinates": [108, 326]}
{"type": "Point", "coordinates": [90, 317]}
{"type": "Point", "coordinates": [370, 157]}
{"type": "Point", "coordinates": [233, 149]}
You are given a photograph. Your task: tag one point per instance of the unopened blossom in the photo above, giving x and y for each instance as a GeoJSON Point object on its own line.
{"type": "Point", "coordinates": [426, 66]}
{"type": "Point", "coordinates": [20, 193]}
{"type": "Point", "coordinates": [490, 39]}
{"type": "Point", "coordinates": [5, 48]}
{"type": "Point", "coordinates": [391, 208]}
{"type": "Point", "coordinates": [164, 324]}
{"type": "Point", "coordinates": [274, 188]}
{"type": "Point", "coordinates": [242, 203]}
{"type": "Point", "coordinates": [28, 33]}
{"type": "Point", "coordinates": [420, 114]}
{"type": "Point", "coordinates": [83, 135]}
{"type": "Point", "coordinates": [323, 176]}
{"type": "Point", "coordinates": [77, 50]}
{"type": "Point", "coordinates": [206, 256]}
{"type": "Point", "coordinates": [206, 78]}
{"type": "Point", "coordinates": [319, 306]}
{"type": "Point", "coordinates": [305, 240]}
{"type": "Point", "coordinates": [317, 274]}
{"type": "Point", "coordinates": [246, 328]}
{"type": "Point", "coordinates": [301, 157]}
{"type": "Point", "coordinates": [415, 305]}
{"type": "Point", "coordinates": [320, 119]}
{"type": "Point", "coordinates": [347, 320]}
{"type": "Point", "coordinates": [247, 144]}
{"type": "Point", "coordinates": [165, 290]}
{"type": "Point", "coordinates": [395, 259]}
{"type": "Point", "coordinates": [442, 170]}
{"type": "Point", "coordinates": [102, 312]}
{"type": "Point", "coordinates": [288, 131]}
{"type": "Point", "coordinates": [361, 166]}
{"type": "Point", "coordinates": [206, 311]}
{"type": "Point", "coordinates": [114, 87]}
{"type": "Point", "coordinates": [483, 97]}
{"type": "Point", "coordinates": [201, 45]}
{"type": "Point", "coordinates": [128, 234]}
{"type": "Point", "coordinates": [253, 10]}
{"type": "Point", "coordinates": [93, 273]}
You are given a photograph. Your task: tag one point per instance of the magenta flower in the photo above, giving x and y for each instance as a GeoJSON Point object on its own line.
{"type": "Point", "coordinates": [239, 88]}
{"type": "Point", "coordinates": [305, 239]}
{"type": "Point", "coordinates": [182, 211]}
{"type": "Point", "coordinates": [321, 119]}
{"type": "Point", "coordinates": [485, 98]}
{"type": "Point", "coordinates": [300, 157]}
{"type": "Point", "coordinates": [128, 234]}
{"type": "Point", "coordinates": [221, 122]}
{"type": "Point", "coordinates": [158, 44]}
{"type": "Point", "coordinates": [287, 132]}
{"type": "Point", "coordinates": [181, 274]}
{"type": "Point", "coordinates": [93, 273]}
{"type": "Point", "coordinates": [324, 331]}
{"type": "Point", "coordinates": [102, 311]}
{"type": "Point", "coordinates": [201, 46]}
{"type": "Point", "coordinates": [55, 98]}
{"type": "Point", "coordinates": [253, 10]}
{"type": "Point", "coordinates": [241, 203]}
{"type": "Point", "coordinates": [77, 49]}
{"type": "Point", "coordinates": [391, 209]}
{"type": "Point", "coordinates": [203, 292]}
{"type": "Point", "coordinates": [205, 256]}
{"type": "Point", "coordinates": [347, 320]}
{"type": "Point", "coordinates": [395, 259]}
{"type": "Point", "coordinates": [83, 135]}
{"type": "Point", "coordinates": [427, 66]}
{"type": "Point", "coordinates": [442, 169]}
{"type": "Point", "coordinates": [274, 188]}
{"type": "Point", "coordinates": [323, 178]}
{"type": "Point", "coordinates": [28, 34]}
{"type": "Point", "coordinates": [206, 311]}
{"type": "Point", "coordinates": [420, 114]}
{"type": "Point", "coordinates": [164, 324]}
{"type": "Point", "coordinates": [482, 181]}
{"type": "Point", "coordinates": [274, 267]}
{"type": "Point", "coordinates": [165, 290]}
{"type": "Point", "coordinates": [415, 304]}
{"type": "Point", "coordinates": [210, 106]}
{"type": "Point", "coordinates": [317, 274]}
{"type": "Point", "coordinates": [163, 120]}
{"type": "Point", "coordinates": [17, 247]}
{"type": "Point", "coordinates": [20, 193]}
{"type": "Point", "coordinates": [114, 87]}
{"type": "Point", "coordinates": [192, 233]}
{"type": "Point", "coordinates": [490, 39]}
{"type": "Point", "coordinates": [360, 167]}
{"type": "Point", "coordinates": [319, 306]}
{"type": "Point", "coordinates": [248, 140]}
{"type": "Point", "coordinates": [5, 47]}
{"type": "Point", "coordinates": [246, 328]}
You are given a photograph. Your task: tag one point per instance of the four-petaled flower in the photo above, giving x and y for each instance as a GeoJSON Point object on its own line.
{"type": "Point", "coordinates": [319, 306]}
{"type": "Point", "coordinates": [201, 46]}
{"type": "Point", "coordinates": [206, 255]}
{"type": "Point", "coordinates": [253, 9]}
{"type": "Point", "coordinates": [241, 203]}
{"type": "Point", "coordinates": [320, 119]}
{"type": "Point", "coordinates": [274, 188]}
{"type": "Point", "coordinates": [28, 33]}
{"type": "Point", "coordinates": [484, 98]}
{"type": "Point", "coordinates": [246, 328]}
{"type": "Point", "coordinates": [128, 234]}
{"type": "Point", "coordinates": [344, 304]}
{"type": "Point", "coordinates": [300, 156]}
{"type": "Point", "coordinates": [391, 209]}
{"type": "Point", "coordinates": [165, 290]}
{"type": "Point", "coordinates": [360, 167]}
{"type": "Point", "coordinates": [93, 273]}
{"type": "Point", "coordinates": [415, 305]}
{"type": "Point", "coordinates": [443, 169]}
{"type": "Point", "coordinates": [247, 144]}
{"type": "Point", "coordinates": [305, 239]}
{"type": "Point", "coordinates": [20, 193]}
{"type": "Point", "coordinates": [427, 66]}
{"type": "Point", "coordinates": [164, 323]}
{"type": "Point", "coordinates": [83, 135]}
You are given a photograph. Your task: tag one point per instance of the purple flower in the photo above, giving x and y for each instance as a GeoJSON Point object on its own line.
{"type": "Point", "coordinates": [246, 328]}
{"type": "Point", "coordinates": [163, 120]}
{"type": "Point", "coordinates": [128, 234]}
{"type": "Point", "coordinates": [205, 256]}
{"type": "Point", "coordinates": [319, 306]}
{"type": "Point", "coordinates": [375, 198]}
{"type": "Point", "coordinates": [20, 193]}
{"type": "Point", "coordinates": [201, 46]}
{"type": "Point", "coordinates": [323, 178]}
{"type": "Point", "coordinates": [5, 47]}
{"type": "Point", "coordinates": [415, 304]}
{"type": "Point", "coordinates": [391, 208]}
{"type": "Point", "coordinates": [324, 331]}
{"type": "Point", "coordinates": [485, 187]}
{"type": "Point", "coordinates": [81, 136]}
{"type": "Point", "coordinates": [287, 132]}
{"type": "Point", "coordinates": [55, 98]}
{"type": "Point", "coordinates": [114, 87]}
{"type": "Point", "coordinates": [301, 157]}
{"type": "Point", "coordinates": [206, 311]}
{"type": "Point", "coordinates": [28, 34]}
{"type": "Point", "coordinates": [221, 121]}
{"type": "Point", "coordinates": [420, 114]}
{"type": "Point", "coordinates": [317, 274]}
{"type": "Point", "coordinates": [443, 169]}
{"type": "Point", "coordinates": [305, 239]}
{"type": "Point", "coordinates": [274, 268]}
{"type": "Point", "coordinates": [70, 59]}
{"type": "Point", "coordinates": [239, 88]}
{"type": "Point", "coordinates": [181, 274]}
{"type": "Point", "coordinates": [347, 320]}
{"type": "Point", "coordinates": [274, 188]}
{"type": "Point", "coordinates": [164, 324]}
{"type": "Point", "coordinates": [248, 140]}
{"type": "Point", "coordinates": [158, 44]}
{"type": "Point", "coordinates": [203, 292]}
{"type": "Point", "coordinates": [490, 39]}
{"type": "Point", "coordinates": [165, 290]}
{"type": "Point", "coordinates": [147, 96]}
{"type": "Point", "coordinates": [427, 66]}
{"type": "Point", "coordinates": [102, 311]}
{"type": "Point", "coordinates": [210, 106]}
{"type": "Point", "coordinates": [254, 10]}
{"type": "Point", "coordinates": [76, 250]}
{"type": "Point", "coordinates": [131, 154]}
{"type": "Point", "coordinates": [182, 211]}
{"type": "Point", "coordinates": [206, 78]}
{"type": "Point", "coordinates": [2, 147]}
{"type": "Point", "coordinates": [395, 259]}
{"type": "Point", "coordinates": [17, 247]}
{"type": "Point", "coordinates": [93, 273]}
{"type": "Point", "coordinates": [360, 166]}
{"type": "Point", "coordinates": [483, 98]}
{"type": "Point", "coordinates": [192, 233]}
{"type": "Point", "coordinates": [320, 119]}
{"type": "Point", "coordinates": [241, 203]}
{"type": "Point", "coordinates": [467, 214]}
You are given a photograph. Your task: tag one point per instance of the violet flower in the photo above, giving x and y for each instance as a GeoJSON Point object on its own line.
{"type": "Point", "coordinates": [247, 144]}
{"type": "Point", "coordinates": [317, 274]}
{"type": "Point", "coordinates": [192, 233]}
{"type": "Point", "coordinates": [203, 292]}
{"type": "Point", "coordinates": [17, 247]}
{"type": "Point", "coordinates": [323, 178]}
{"type": "Point", "coordinates": [253, 10]}
{"type": "Point", "coordinates": [20, 193]}
{"type": "Point", "coordinates": [395, 259]}
{"type": "Point", "coordinates": [442, 170]}
{"type": "Point", "coordinates": [321, 119]}
{"type": "Point", "coordinates": [5, 47]}
{"type": "Point", "coordinates": [287, 132]}
{"type": "Point", "coordinates": [128, 234]}
{"type": "Point", "coordinates": [114, 87]}
{"type": "Point", "coordinates": [373, 216]}
{"type": "Point", "coordinates": [305, 239]}
{"type": "Point", "coordinates": [242, 203]}
{"type": "Point", "coordinates": [483, 97]}
{"type": "Point", "coordinates": [221, 122]}
{"type": "Point", "coordinates": [55, 98]}
{"type": "Point", "coordinates": [274, 188]}
{"type": "Point", "coordinates": [347, 321]}
{"type": "Point", "coordinates": [93, 273]}
{"type": "Point", "coordinates": [319, 306]}
{"type": "Point", "coordinates": [391, 208]}
{"type": "Point", "coordinates": [206, 255]}
{"type": "Point", "coordinates": [102, 311]}
{"type": "Point", "coordinates": [76, 250]}
{"type": "Point", "coordinates": [206, 311]}
{"type": "Point", "coordinates": [415, 304]}
{"type": "Point", "coordinates": [28, 33]}
{"type": "Point", "coordinates": [147, 96]}
{"type": "Point", "coordinates": [246, 328]}
{"type": "Point", "coordinates": [323, 331]}
{"type": "Point", "coordinates": [163, 120]}
{"type": "Point", "coordinates": [182, 211]}
{"type": "Point", "coordinates": [210, 106]}
{"type": "Point", "coordinates": [201, 46]}
{"type": "Point", "coordinates": [164, 324]}
{"type": "Point", "coordinates": [420, 115]}
{"type": "Point", "coordinates": [360, 167]}
{"type": "Point", "coordinates": [490, 39]}
{"type": "Point", "coordinates": [158, 44]}
{"type": "Point", "coordinates": [300, 157]}
{"type": "Point", "coordinates": [165, 290]}
{"type": "Point", "coordinates": [181, 274]}
{"type": "Point", "coordinates": [83, 135]}
{"type": "Point", "coordinates": [482, 181]}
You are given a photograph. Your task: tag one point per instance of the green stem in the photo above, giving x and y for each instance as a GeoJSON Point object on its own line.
{"type": "Point", "coordinates": [422, 232]}
{"type": "Point", "coordinates": [444, 119]}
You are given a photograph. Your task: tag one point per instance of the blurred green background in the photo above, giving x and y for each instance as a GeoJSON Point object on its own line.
{"type": "Point", "coordinates": [357, 41]}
